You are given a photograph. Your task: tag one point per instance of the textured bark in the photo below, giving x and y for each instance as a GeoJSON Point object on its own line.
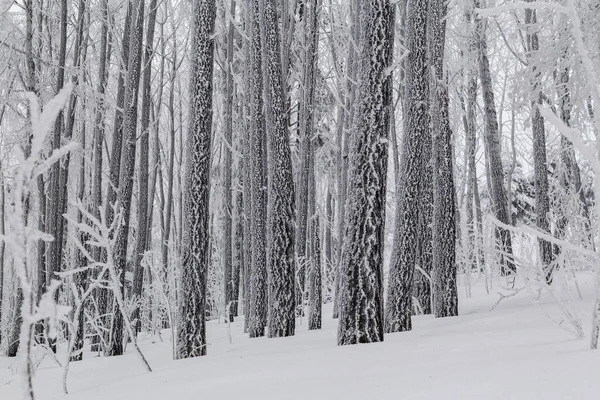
{"type": "Point", "coordinates": [306, 127]}
{"type": "Point", "coordinates": [444, 269]}
{"type": "Point", "coordinates": [412, 173]}
{"type": "Point", "coordinates": [54, 206]}
{"type": "Point", "coordinates": [104, 296]}
{"type": "Point", "coordinates": [191, 332]}
{"type": "Point", "coordinates": [246, 164]}
{"type": "Point", "coordinates": [315, 295]}
{"type": "Point", "coordinates": [80, 278]}
{"type": "Point", "coordinates": [470, 150]}
{"type": "Point", "coordinates": [167, 210]}
{"type": "Point", "coordinates": [98, 138]}
{"type": "Point", "coordinates": [258, 181]}
{"type": "Point", "coordinates": [361, 306]}
{"type": "Point", "coordinates": [280, 214]}
{"type": "Point", "coordinates": [540, 165]}
{"type": "Point", "coordinates": [493, 150]}
{"type": "Point", "coordinates": [570, 177]}
{"type": "Point", "coordinates": [227, 169]}
{"type": "Point", "coordinates": [125, 194]}
{"type": "Point", "coordinates": [345, 121]}
{"type": "Point", "coordinates": [143, 174]}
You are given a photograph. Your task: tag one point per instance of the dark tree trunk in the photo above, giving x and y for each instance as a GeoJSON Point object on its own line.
{"type": "Point", "coordinates": [444, 271]}
{"type": "Point", "coordinates": [258, 269]}
{"type": "Point", "coordinates": [143, 174]}
{"type": "Point", "coordinates": [412, 173]}
{"type": "Point", "coordinates": [315, 294]}
{"type": "Point", "coordinates": [125, 194]}
{"type": "Point", "coordinates": [227, 169]}
{"type": "Point", "coordinates": [191, 332]}
{"type": "Point", "coordinates": [280, 215]}
{"type": "Point", "coordinates": [361, 302]}
{"type": "Point", "coordinates": [493, 151]}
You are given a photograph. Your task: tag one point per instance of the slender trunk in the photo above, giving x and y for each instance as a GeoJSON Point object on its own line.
{"type": "Point", "coordinates": [143, 175]}
{"type": "Point", "coordinates": [412, 173]}
{"type": "Point", "coordinates": [540, 167]}
{"type": "Point", "coordinates": [315, 296]}
{"type": "Point", "coordinates": [444, 271]}
{"type": "Point", "coordinates": [191, 332]}
{"type": "Point", "coordinates": [227, 170]}
{"type": "Point", "coordinates": [493, 150]}
{"type": "Point", "coordinates": [258, 181]}
{"type": "Point", "coordinates": [125, 194]}
{"type": "Point", "coordinates": [280, 215]}
{"type": "Point", "coordinates": [53, 224]}
{"type": "Point", "coordinates": [99, 141]}
{"type": "Point", "coordinates": [105, 298]}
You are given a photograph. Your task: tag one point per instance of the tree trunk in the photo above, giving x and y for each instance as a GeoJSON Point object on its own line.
{"type": "Point", "coordinates": [143, 175]}
{"type": "Point", "coordinates": [315, 295]}
{"type": "Point", "coordinates": [105, 297]}
{"type": "Point", "coordinates": [258, 269]}
{"type": "Point", "coordinates": [412, 173]}
{"type": "Point", "coordinates": [345, 124]}
{"type": "Point", "coordinates": [444, 271]}
{"type": "Point", "coordinates": [280, 215]}
{"type": "Point", "coordinates": [191, 333]}
{"type": "Point", "coordinates": [53, 224]}
{"type": "Point", "coordinates": [361, 303]}
{"type": "Point", "coordinates": [540, 165]}
{"type": "Point", "coordinates": [227, 167]}
{"type": "Point", "coordinates": [100, 294]}
{"type": "Point", "coordinates": [125, 194]}
{"type": "Point", "coordinates": [493, 150]}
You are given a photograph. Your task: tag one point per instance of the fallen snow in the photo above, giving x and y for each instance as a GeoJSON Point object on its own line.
{"type": "Point", "coordinates": [516, 351]}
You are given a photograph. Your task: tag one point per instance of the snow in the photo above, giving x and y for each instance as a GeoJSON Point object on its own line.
{"type": "Point", "coordinates": [515, 351]}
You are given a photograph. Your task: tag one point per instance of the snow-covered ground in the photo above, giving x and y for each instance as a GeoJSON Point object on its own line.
{"type": "Point", "coordinates": [516, 351]}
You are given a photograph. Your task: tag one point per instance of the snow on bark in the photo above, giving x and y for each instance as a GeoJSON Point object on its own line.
{"type": "Point", "coordinates": [361, 301]}
{"type": "Point", "coordinates": [143, 235]}
{"type": "Point", "coordinates": [493, 149]}
{"type": "Point", "coordinates": [412, 174]}
{"type": "Point", "coordinates": [444, 213]}
{"type": "Point", "coordinates": [130, 113]}
{"type": "Point", "coordinates": [281, 212]}
{"type": "Point", "coordinates": [258, 268]}
{"type": "Point", "coordinates": [191, 330]}
{"type": "Point", "coordinates": [540, 165]}
{"type": "Point", "coordinates": [315, 296]}
{"type": "Point", "coordinates": [345, 118]}
{"type": "Point", "coordinates": [227, 171]}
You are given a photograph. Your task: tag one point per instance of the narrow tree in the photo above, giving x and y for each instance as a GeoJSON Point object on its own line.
{"type": "Point", "coordinates": [227, 169]}
{"type": "Point", "coordinates": [361, 301]}
{"type": "Point", "coordinates": [144, 174]}
{"type": "Point", "coordinates": [130, 113]}
{"type": "Point", "coordinates": [412, 173]}
{"type": "Point", "coordinates": [191, 332]}
{"type": "Point", "coordinates": [540, 164]}
{"type": "Point", "coordinates": [492, 149]}
{"type": "Point", "coordinates": [444, 212]}
{"type": "Point", "coordinates": [258, 181]}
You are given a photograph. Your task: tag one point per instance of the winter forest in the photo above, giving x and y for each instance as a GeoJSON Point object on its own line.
{"type": "Point", "coordinates": [265, 182]}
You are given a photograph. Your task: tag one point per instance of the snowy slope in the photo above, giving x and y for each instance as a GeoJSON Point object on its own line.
{"type": "Point", "coordinates": [513, 352]}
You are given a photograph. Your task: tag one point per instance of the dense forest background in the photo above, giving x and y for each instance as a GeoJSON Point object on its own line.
{"type": "Point", "coordinates": [166, 162]}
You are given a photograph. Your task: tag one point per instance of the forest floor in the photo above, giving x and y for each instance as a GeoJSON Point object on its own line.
{"type": "Point", "coordinates": [516, 351]}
